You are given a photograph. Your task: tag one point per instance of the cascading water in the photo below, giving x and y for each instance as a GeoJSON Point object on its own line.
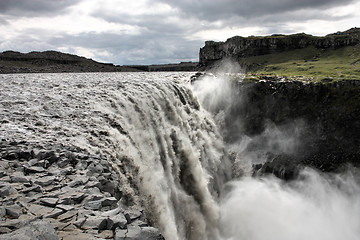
{"type": "Point", "coordinates": [171, 157]}
{"type": "Point", "coordinates": [166, 150]}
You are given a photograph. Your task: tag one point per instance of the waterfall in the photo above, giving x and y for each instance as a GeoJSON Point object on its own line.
{"type": "Point", "coordinates": [168, 151]}
{"type": "Point", "coordinates": [171, 148]}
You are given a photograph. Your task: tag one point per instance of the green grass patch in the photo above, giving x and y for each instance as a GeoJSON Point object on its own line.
{"type": "Point", "coordinates": [310, 62]}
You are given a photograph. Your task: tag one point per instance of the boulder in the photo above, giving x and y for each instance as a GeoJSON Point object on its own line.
{"type": "Point", "coordinates": [39, 229]}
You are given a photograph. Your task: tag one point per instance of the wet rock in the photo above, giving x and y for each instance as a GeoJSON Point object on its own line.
{"type": "Point", "coordinates": [34, 230]}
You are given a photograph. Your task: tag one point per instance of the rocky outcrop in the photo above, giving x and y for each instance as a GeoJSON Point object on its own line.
{"type": "Point", "coordinates": [292, 124]}
{"type": "Point", "coordinates": [60, 193]}
{"type": "Point", "coordinates": [238, 47]}
{"type": "Point", "coordinates": [52, 62]}
{"type": "Point", "coordinates": [322, 117]}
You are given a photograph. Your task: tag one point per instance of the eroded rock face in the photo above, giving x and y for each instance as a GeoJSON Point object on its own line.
{"type": "Point", "coordinates": [237, 47]}
{"type": "Point", "coordinates": [293, 123]}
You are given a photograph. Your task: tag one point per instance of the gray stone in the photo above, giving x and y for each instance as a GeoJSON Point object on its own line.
{"type": "Point", "coordinates": [92, 222]}
{"type": "Point", "coordinates": [92, 184]}
{"type": "Point", "coordinates": [54, 213]}
{"type": "Point", "coordinates": [139, 223]}
{"type": "Point", "coordinates": [4, 230]}
{"type": "Point", "coordinates": [7, 190]}
{"type": "Point", "coordinates": [119, 221]}
{"type": "Point", "coordinates": [33, 162]}
{"type": "Point", "coordinates": [49, 202]}
{"type": "Point", "coordinates": [40, 211]}
{"type": "Point", "coordinates": [66, 171]}
{"type": "Point", "coordinates": [72, 197]}
{"type": "Point", "coordinates": [110, 201]}
{"type": "Point", "coordinates": [36, 188]}
{"type": "Point", "coordinates": [33, 169]}
{"type": "Point", "coordinates": [137, 233]}
{"type": "Point", "coordinates": [93, 205]}
{"type": "Point", "coordinates": [18, 177]}
{"type": "Point", "coordinates": [65, 208]}
{"type": "Point", "coordinates": [111, 213]}
{"type": "Point", "coordinates": [14, 223]}
{"type": "Point", "coordinates": [2, 211]}
{"type": "Point", "coordinates": [95, 168]}
{"type": "Point", "coordinates": [45, 181]}
{"type": "Point", "coordinates": [76, 234]}
{"type": "Point", "coordinates": [5, 179]}
{"type": "Point", "coordinates": [131, 233]}
{"type": "Point", "coordinates": [36, 230]}
{"type": "Point", "coordinates": [13, 211]}
{"type": "Point", "coordinates": [132, 215]}
{"type": "Point", "coordinates": [67, 216]}
{"type": "Point", "coordinates": [106, 234]}
{"type": "Point", "coordinates": [80, 180]}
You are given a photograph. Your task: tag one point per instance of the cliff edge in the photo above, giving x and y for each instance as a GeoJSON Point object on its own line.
{"type": "Point", "coordinates": [238, 47]}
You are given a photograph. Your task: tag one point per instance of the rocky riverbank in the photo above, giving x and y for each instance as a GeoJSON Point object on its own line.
{"type": "Point", "coordinates": [60, 193]}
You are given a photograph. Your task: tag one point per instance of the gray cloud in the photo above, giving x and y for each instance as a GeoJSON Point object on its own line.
{"type": "Point", "coordinates": [34, 7]}
{"type": "Point", "coordinates": [148, 48]}
{"type": "Point", "coordinates": [166, 36]}
{"type": "Point", "coordinates": [220, 9]}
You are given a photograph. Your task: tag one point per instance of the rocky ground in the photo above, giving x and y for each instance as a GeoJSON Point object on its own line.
{"type": "Point", "coordinates": [62, 193]}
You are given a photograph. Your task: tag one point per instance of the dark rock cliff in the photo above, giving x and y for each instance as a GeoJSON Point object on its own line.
{"type": "Point", "coordinates": [238, 47]}
{"type": "Point", "coordinates": [294, 124]}
{"type": "Point", "coordinates": [326, 118]}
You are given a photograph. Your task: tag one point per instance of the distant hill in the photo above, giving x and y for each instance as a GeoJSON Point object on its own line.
{"type": "Point", "coordinates": [53, 62]}
{"type": "Point", "coordinates": [335, 55]}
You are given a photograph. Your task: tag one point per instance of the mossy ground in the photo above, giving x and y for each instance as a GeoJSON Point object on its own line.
{"type": "Point", "coordinates": [310, 62]}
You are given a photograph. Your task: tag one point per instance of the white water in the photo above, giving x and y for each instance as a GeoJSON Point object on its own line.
{"type": "Point", "coordinates": [170, 155]}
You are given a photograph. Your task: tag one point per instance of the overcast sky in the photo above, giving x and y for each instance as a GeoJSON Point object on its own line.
{"type": "Point", "coordinates": [160, 31]}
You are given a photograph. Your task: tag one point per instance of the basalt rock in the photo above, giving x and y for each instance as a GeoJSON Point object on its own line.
{"type": "Point", "coordinates": [296, 123]}
{"type": "Point", "coordinates": [71, 202]}
{"type": "Point", "coordinates": [238, 47]}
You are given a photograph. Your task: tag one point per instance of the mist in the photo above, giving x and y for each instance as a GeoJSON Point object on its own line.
{"type": "Point", "coordinates": [315, 206]}
{"type": "Point", "coordinates": [311, 205]}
